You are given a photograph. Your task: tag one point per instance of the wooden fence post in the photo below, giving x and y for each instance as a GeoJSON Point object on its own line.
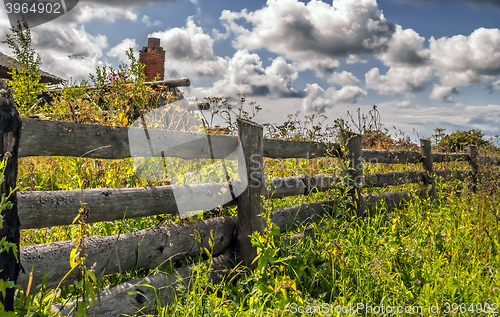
{"type": "Point", "coordinates": [10, 131]}
{"type": "Point", "coordinates": [249, 202]}
{"type": "Point", "coordinates": [354, 152]}
{"type": "Point", "coordinates": [426, 150]}
{"type": "Point", "coordinates": [474, 163]}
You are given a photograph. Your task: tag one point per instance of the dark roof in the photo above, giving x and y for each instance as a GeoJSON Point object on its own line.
{"type": "Point", "coordinates": [6, 62]}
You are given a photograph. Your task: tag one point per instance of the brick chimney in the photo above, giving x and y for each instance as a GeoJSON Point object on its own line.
{"type": "Point", "coordinates": [153, 57]}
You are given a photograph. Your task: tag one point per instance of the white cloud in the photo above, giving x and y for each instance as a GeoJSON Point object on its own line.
{"type": "Point", "coordinates": [443, 93]}
{"type": "Point", "coordinates": [145, 20]}
{"type": "Point", "coordinates": [479, 52]}
{"type": "Point", "coordinates": [312, 31]}
{"type": "Point", "coordinates": [189, 52]}
{"type": "Point", "coordinates": [344, 78]}
{"type": "Point", "coordinates": [318, 99]}
{"type": "Point", "coordinates": [496, 85]}
{"type": "Point", "coordinates": [246, 75]}
{"type": "Point", "coordinates": [406, 48]}
{"type": "Point", "coordinates": [399, 79]}
{"type": "Point", "coordinates": [120, 50]}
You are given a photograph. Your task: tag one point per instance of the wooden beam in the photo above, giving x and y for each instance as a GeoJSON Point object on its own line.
{"type": "Point", "coordinates": [280, 149]}
{"type": "Point", "coordinates": [116, 301]}
{"type": "Point", "coordinates": [147, 248]}
{"type": "Point", "coordinates": [391, 157]}
{"type": "Point", "coordinates": [425, 146]}
{"type": "Point", "coordinates": [10, 131]}
{"type": "Point", "coordinates": [249, 202]}
{"type": "Point", "coordinates": [353, 155]}
{"type": "Point", "coordinates": [394, 178]}
{"type": "Point", "coordinates": [474, 163]}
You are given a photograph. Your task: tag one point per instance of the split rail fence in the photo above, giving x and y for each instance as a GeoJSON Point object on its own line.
{"type": "Point", "coordinates": [151, 247]}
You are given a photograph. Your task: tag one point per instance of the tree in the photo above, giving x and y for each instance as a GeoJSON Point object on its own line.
{"type": "Point", "coordinates": [25, 83]}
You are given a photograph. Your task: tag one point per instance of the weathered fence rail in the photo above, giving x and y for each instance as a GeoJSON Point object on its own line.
{"type": "Point", "coordinates": [151, 247]}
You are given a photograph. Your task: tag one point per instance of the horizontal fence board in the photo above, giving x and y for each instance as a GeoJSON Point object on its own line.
{"type": "Point", "coordinates": [40, 209]}
{"type": "Point", "coordinates": [147, 248]}
{"type": "Point", "coordinates": [291, 217]}
{"type": "Point", "coordinates": [280, 149]}
{"type": "Point", "coordinates": [460, 175]}
{"type": "Point", "coordinates": [114, 302]}
{"type": "Point", "coordinates": [392, 200]}
{"type": "Point", "coordinates": [391, 156]}
{"type": "Point", "coordinates": [59, 138]}
{"type": "Point", "coordinates": [280, 187]}
{"type": "Point", "coordinates": [394, 178]}
{"type": "Point", "coordinates": [151, 247]}
{"type": "Point", "coordinates": [449, 157]}
{"type": "Point", "coordinates": [489, 160]}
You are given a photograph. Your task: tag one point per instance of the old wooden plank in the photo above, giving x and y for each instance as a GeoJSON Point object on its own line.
{"type": "Point", "coordinates": [391, 200]}
{"type": "Point", "coordinates": [249, 202]}
{"type": "Point", "coordinates": [394, 178]}
{"type": "Point", "coordinates": [114, 254]}
{"type": "Point", "coordinates": [460, 175]}
{"type": "Point", "coordinates": [58, 138]}
{"type": "Point", "coordinates": [391, 156]}
{"type": "Point", "coordinates": [280, 149]}
{"type": "Point", "coordinates": [425, 146]}
{"type": "Point", "coordinates": [449, 157]}
{"type": "Point", "coordinates": [116, 301]}
{"type": "Point", "coordinates": [10, 131]}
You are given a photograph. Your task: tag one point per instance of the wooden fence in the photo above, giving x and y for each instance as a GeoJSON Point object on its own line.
{"type": "Point", "coordinates": [151, 247]}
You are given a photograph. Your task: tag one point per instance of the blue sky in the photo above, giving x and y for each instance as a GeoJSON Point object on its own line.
{"type": "Point", "coordinates": [425, 64]}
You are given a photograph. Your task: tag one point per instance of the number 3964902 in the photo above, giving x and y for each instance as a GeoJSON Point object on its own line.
{"type": "Point", "coordinates": [38, 8]}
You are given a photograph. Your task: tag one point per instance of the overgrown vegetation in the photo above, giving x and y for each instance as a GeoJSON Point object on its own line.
{"type": "Point", "coordinates": [440, 252]}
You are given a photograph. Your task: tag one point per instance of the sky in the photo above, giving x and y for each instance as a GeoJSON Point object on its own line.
{"type": "Point", "coordinates": [423, 63]}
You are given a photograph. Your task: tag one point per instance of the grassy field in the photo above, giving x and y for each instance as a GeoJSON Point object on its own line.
{"type": "Point", "coordinates": [443, 252]}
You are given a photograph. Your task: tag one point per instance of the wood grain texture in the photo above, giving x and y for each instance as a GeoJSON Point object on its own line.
{"type": "Point", "coordinates": [449, 157]}
{"type": "Point", "coordinates": [279, 149]}
{"type": "Point", "coordinates": [147, 248]}
{"type": "Point", "coordinates": [425, 146]}
{"type": "Point", "coordinates": [250, 201]}
{"type": "Point", "coordinates": [394, 178]}
{"type": "Point", "coordinates": [10, 131]}
{"type": "Point", "coordinates": [391, 156]}
{"type": "Point", "coordinates": [115, 301]}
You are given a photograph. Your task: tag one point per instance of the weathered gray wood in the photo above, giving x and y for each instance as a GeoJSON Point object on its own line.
{"type": "Point", "coordinates": [425, 146]}
{"type": "Point", "coordinates": [474, 163]}
{"type": "Point", "coordinates": [391, 156]}
{"type": "Point", "coordinates": [391, 200]}
{"type": "Point", "coordinates": [460, 175]}
{"type": "Point", "coordinates": [58, 138]}
{"type": "Point", "coordinates": [41, 209]}
{"type": "Point", "coordinates": [114, 254]}
{"type": "Point", "coordinates": [394, 178]}
{"type": "Point", "coordinates": [249, 202]}
{"type": "Point", "coordinates": [115, 301]}
{"type": "Point", "coordinates": [291, 217]}
{"type": "Point", "coordinates": [280, 187]}
{"type": "Point", "coordinates": [279, 149]}
{"type": "Point", "coordinates": [169, 83]}
{"type": "Point", "coordinates": [495, 161]}
{"type": "Point", "coordinates": [354, 153]}
{"type": "Point", "coordinates": [449, 157]}
{"type": "Point", "coordinates": [10, 131]}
